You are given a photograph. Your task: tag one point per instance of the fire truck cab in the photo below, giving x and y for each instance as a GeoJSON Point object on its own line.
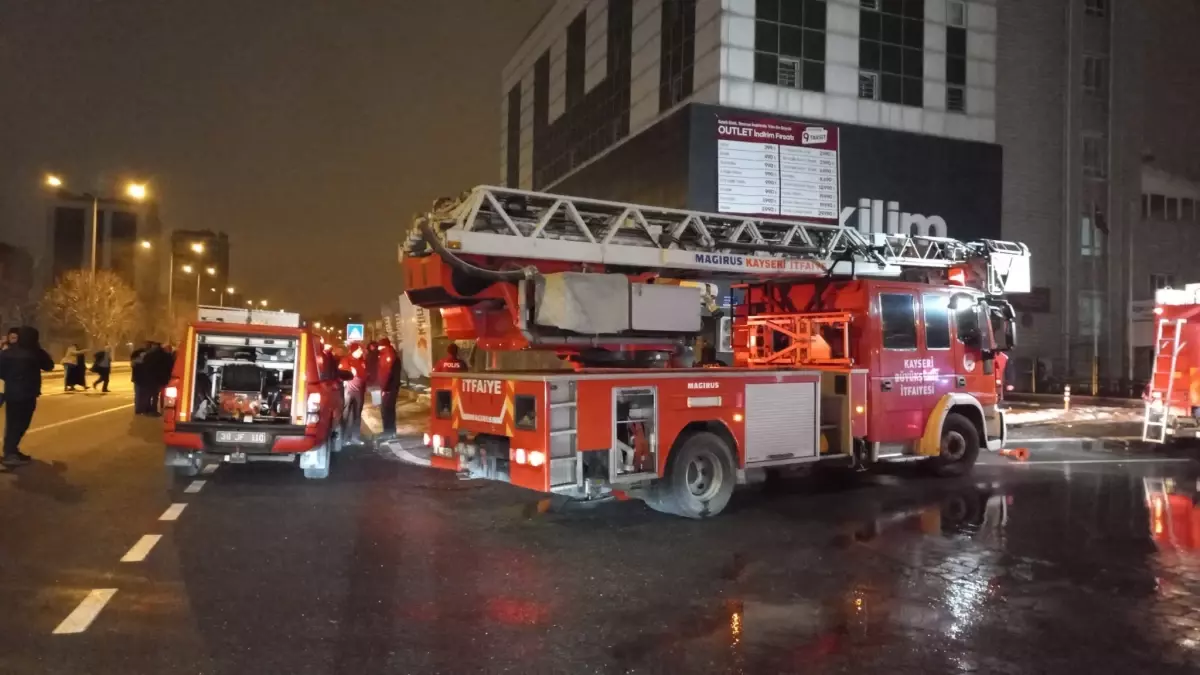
{"type": "Point", "coordinates": [848, 348]}
{"type": "Point", "coordinates": [251, 386]}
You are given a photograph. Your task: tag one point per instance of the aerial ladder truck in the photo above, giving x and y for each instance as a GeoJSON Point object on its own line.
{"type": "Point", "coordinates": [851, 345]}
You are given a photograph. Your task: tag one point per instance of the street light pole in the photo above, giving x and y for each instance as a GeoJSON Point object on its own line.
{"type": "Point", "coordinates": [197, 289]}
{"type": "Point", "coordinates": [95, 231]}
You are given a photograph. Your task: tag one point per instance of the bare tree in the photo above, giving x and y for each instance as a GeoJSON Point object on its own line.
{"type": "Point", "coordinates": [101, 306]}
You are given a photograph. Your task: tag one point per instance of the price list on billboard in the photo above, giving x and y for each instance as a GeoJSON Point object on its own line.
{"type": "Point", "coordinates": [771, 167]}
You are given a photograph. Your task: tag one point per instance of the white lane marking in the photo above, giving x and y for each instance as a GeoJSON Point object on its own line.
{"type": "Point", "coordinates": [172, 512]}
{"type": "Point", "coordinates": [87, 611]}
{"type": "Point", "coordinates": [142, 548]}
{"type": "Point", "coordinates": [1067, 439]}
{"type": "Point", "coordinates": [1160, 460]}
{"type": "Point", "coordinates": [78, 419]}
{"type": "Point", "coordinates": [196, 486]}
{"type": "Point", "coordinates": [210, 469]}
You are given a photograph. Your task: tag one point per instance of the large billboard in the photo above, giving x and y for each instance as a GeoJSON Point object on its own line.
{"type": "Point", "coordinates": [886, 180]}
{"type": "Point", "coordinates": [775, 167]}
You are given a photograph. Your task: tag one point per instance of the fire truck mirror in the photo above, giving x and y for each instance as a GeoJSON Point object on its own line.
{"type": "Point", "coordinates": [1004, 326]}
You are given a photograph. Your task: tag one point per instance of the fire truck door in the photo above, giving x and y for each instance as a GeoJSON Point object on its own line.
{"type": "Point", "coordinates": [974, 360]}
{"type": "Point", "coordinates": [903, 376]}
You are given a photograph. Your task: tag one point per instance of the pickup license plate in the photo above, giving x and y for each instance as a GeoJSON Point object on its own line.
{"type": "Point", "coordinates": [242, 437]}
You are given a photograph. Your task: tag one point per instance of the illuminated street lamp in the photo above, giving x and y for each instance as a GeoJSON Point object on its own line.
{"type": "Point", "coordinates": [228, 290]}
{"type": "Point", "coordinates": [189, 269]}
{"type": "Point", "coordinates": [136, 191]}
{"type": "Point", "coordinates": [145, 243]}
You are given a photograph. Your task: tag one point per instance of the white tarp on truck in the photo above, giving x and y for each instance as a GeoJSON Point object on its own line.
{"type": "Point", "coordinates": [416, 342]}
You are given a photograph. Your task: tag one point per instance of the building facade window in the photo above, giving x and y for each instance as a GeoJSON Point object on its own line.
{"type": "Point", "coordinates": [592, 120]}
{"type": "Point", "coordinates": [1091, 237]}
{"type": "Point", "coordinates": [576, 59]}
{"type": "Point", "coordinates": [512, 177]}
{"type": "Point", "coordinates": [892, 45]}
{"type": "Point", "coordinates": [1157, 208]}
{"type": "Point", "coordinates": [789, 43]}
{"type": "Point", "coordinates": [1091, 313]}
{"type": "Point", "coordinates": [1095, 7]}
{"type": "Point", "coordinates": [1161, 281]}
{"type": "Point", "coordinates": [956, 58]}
{"type": "Point", "coordinates": [1095, 74]}
{"type": "Point", "coordinates": [956, 13]}
{"type": "Point", "coordinates": [677, 52]}
{"type": "Point", "coordinates": [1095, 156]}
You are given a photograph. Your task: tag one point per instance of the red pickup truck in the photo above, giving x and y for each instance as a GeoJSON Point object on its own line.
{"type": "Point", "coordinates": [252, 392]}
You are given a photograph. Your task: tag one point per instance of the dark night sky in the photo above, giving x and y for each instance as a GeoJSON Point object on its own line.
{"type": "Point", "coordinates": [308, 130]}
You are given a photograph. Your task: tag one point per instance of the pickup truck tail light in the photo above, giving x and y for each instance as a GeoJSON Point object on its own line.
{"type": "Point", "coordinates": [314, 408]}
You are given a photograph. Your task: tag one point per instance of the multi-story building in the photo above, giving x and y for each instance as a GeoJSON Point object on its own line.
{"type": "Point", "coordinates": [968, 118]}
{"type": "Point", "coordinates": [122, 231]}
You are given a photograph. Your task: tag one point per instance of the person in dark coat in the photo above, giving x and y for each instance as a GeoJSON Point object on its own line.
{"type": "Point", "coordinates": [102, 367]}
{"type": "Point", "coordinates": [162, 363]}
{"type": "Point", "coordinates": [21, 368]}
{"type": "Point", "coordinates": [143, 381]}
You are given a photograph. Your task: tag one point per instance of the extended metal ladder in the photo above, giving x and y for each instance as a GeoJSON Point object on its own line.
{"type": "Point", "coordinates": [1162, 380]}
{"type": "Point", "coordinates": [519, 224]}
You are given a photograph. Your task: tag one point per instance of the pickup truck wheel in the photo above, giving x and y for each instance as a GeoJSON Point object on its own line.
{"type": "Point", "coordinates": [699, 480]}
{"type": "Point", "coordinates": [959, 447]}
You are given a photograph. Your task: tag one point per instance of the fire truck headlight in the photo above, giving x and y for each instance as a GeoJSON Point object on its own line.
{"type": "Point", "coordinates": [427, 440]}
{"type": "Point", "coordinates": [437, 440]}
{"type": "Point", "coordinates": [519, 456]}
{"type": "Point", "coordinates": [858, 410]}
{"type": "Point", "coordinates": [537, 458]}
{"type": "Point", "coordinates": [738, 417]}
{"type": "Point", "coordinates": [1158, 311]}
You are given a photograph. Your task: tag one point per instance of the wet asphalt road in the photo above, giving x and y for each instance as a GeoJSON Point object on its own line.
{"type": "Point", "coordinates": [1046, 567]}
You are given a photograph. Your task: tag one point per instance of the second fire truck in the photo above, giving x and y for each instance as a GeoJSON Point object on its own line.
{"type": "Point", "coordinates": [848, 347]}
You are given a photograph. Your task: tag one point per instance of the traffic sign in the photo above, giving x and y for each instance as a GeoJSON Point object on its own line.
{"type": "Point", "coordinates": [354, 332]}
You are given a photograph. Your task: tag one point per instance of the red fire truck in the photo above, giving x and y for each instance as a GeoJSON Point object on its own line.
{"type": "Point", "coordinates": [849, 347]}
{"type": "Point", "coordinates": [1173, 394]}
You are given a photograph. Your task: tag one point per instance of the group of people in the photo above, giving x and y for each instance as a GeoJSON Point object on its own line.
{"type": "Point", "coordinates": [75, 369]}
{"type": "Point", "coordinates": [151, 366]}
{"type": "Point", "coordinates": [373, 366]}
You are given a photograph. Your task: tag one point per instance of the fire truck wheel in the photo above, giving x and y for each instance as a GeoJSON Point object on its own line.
{"type": "Point", "coordinates": [699, 481]}
{"type": "Point", "coordinates": [960, 447]}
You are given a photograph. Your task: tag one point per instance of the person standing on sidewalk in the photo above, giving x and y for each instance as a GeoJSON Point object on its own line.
{"type": "Point", "coordinates": [387, 378]}
{"type": "Point", "coordinates": [21, 368]}
{"type": "Point", "coordinates": [102, 367]}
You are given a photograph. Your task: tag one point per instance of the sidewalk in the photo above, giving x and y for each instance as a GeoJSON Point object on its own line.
{"type": "Point", "coordinates": [412, 419]}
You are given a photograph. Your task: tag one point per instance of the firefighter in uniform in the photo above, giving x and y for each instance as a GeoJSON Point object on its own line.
{"type": "Point", "coordinates": [387, 378]}
{"type": "Point", "coordinates": [451, 363]}
{"type": "Point", "coordinates": [355, 362]}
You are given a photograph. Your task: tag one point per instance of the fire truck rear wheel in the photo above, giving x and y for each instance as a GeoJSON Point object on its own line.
{"type": "Point", "coordinates": [700, 478]}
{"type": "Point", "coordinates": [959, 447]}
